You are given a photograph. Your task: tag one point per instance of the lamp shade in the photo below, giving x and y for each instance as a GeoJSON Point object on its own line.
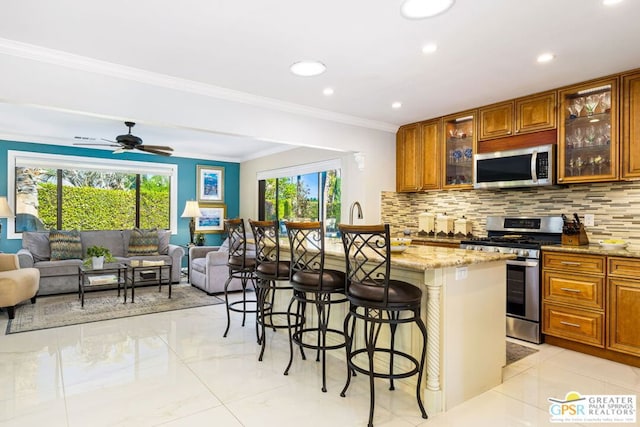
{"type": "Point", "coordinates": [5, 210]}
{"type": "Point", "coordinates": [191, 210]}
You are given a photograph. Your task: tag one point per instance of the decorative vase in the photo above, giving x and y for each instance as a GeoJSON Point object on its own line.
{"type": "Point", "coordinates": [97, 262]}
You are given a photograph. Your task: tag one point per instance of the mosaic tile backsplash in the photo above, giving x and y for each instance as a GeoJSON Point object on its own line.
{"type": "Point", "coordinates": [616, 207]}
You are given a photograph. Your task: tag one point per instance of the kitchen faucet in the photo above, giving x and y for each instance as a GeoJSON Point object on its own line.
{"type": "Point", "coordinates": [354, 205]}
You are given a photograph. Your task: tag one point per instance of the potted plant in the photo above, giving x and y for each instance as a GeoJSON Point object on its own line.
{"type": "Point", "coordinates": [199, 238]}
{"type": "Point", "coordinates": [96, 257]}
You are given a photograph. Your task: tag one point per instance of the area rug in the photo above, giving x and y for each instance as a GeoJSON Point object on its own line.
{"type": "Point", "coordinates": [64, 310]}
{"type": "Point", "coordinates": [516, 352]}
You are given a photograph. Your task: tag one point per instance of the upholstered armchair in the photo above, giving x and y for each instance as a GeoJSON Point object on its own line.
{"type": "Point", "coordinates": [16, 284]}
{"type": "Point", "coordinates": [208, 268]}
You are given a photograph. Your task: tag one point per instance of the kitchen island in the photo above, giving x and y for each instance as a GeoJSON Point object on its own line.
{"type": "Point", "coordinates": [464, 304]}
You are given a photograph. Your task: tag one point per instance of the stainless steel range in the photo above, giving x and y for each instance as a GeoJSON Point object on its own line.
{"type": "Point", "coordinates": [522, 236]}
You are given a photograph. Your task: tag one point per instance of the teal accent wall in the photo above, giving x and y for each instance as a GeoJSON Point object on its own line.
{"type": "Point", "coordinates": [187, 178]}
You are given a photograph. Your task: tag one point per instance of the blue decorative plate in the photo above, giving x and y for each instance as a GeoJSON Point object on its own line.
{"type": "Point", "coordinates": [468, 153]}
{"type": "Point", "coordinates": [457, 154]}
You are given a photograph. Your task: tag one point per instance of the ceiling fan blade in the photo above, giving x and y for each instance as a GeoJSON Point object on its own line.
{"type": "Point", "coordinates": [146, 149]}
{"type": "Point", "coordinates": [158, 147]}
{"type": "Point", "coordinates": [95, 144]}
{"type": "Point", "coordinates": [108, 140]}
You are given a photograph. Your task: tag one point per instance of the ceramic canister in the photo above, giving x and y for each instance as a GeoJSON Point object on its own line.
{"type": "Point", "coordinates": [444, 224]}
{"type": "Point", "coordinates": [463, 226]}
{"type": "Point", "coordinates": [426, 222]}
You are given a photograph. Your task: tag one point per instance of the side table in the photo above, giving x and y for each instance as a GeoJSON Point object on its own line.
{"type": "Point", "coordinates": [111, 274]}
{"type": "Point", "coordinates": [148, 274]}
{"type": "Point", "coordinates": [186, 251]}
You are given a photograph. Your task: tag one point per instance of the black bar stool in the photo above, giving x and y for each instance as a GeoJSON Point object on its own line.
{"type": "Point", "coordinates": [377, 300]}
{"type": "Point", "coordinates": [242, 264]}
{"type": "Point", "coordinates": [312, 284]}
{"type": "Point", "coordinates": [271, 271]}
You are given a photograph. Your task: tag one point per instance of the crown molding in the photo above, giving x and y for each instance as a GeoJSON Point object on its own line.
{"type": "Point", "coordinates": [83, 63]}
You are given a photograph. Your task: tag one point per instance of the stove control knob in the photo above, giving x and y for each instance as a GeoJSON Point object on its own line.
{"type": "Point", "coordinates": [523, 253]}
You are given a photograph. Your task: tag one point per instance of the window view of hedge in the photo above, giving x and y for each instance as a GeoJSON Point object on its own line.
{"type": "Point", "coordinates": [90, 200]}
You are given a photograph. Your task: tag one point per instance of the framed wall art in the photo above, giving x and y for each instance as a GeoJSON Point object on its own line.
{"type": "Point", "coordinates": [212, 219]}
{"type": "Point", "coordinates": [210, 184]}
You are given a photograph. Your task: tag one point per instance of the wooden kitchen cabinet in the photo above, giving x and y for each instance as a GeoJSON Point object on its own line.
{"type": "Point", "coordinates": [630, 126]}
{"type": "Point", "coordinates": [520, 116]}
{"type": "Point", "coordinates": [418, 156]}
{"type": "Point", "coordinates": [458, 149]}
{"type": "Point", "coordinates": [623, 316]}
{"type": "Point", "coordinates": [588, 132]}
{"type": "Point", "coordinates": [573, 305]}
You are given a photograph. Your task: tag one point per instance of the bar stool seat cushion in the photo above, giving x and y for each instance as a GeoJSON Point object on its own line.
{"type": "Point", "coordinates": [237, 261]}
{"type": "Point", "coordinates": [400, 293]}
{"type": "Point", "coordinates": [307, 280]}
{"type": "Point", "coordinates": [273, 269]}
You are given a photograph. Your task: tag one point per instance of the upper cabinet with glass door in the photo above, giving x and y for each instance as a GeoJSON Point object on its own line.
{"type": "Point", "coordinates": [588, 140]}
{"type": "Point", "coordinates": [459, 148]}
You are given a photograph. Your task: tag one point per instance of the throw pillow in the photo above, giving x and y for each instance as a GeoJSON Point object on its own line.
{"type": "Point", "coordinates": [65, 244]}
{"type": "Point", "coordinates": [143, 242]}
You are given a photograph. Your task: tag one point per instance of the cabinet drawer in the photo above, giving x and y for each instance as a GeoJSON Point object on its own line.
{"type": "Point", "coordinates": [573, 262]}
{"type": "Point", "coordinates": [573, 324]}
{"type": "Point", "coordinates": [624, 267]}
{"type": "Point", "coordinates": [574, 289]}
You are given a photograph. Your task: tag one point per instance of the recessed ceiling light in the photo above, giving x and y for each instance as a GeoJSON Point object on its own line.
{"type": "Point", "coordinates": [418, 9]}
{"type": "Point", "coordinates": [545, 57]}
{"type": "Point", "coordinates": [308, 68]}
{"type": "Point", "coordinates": [611, 2]}
{"type": "Point", "coordinates": [328, 91]}
{"type": "Point", "coordinates": [429, 48]}
{"type": "Point", "coordinates": [396, 105]}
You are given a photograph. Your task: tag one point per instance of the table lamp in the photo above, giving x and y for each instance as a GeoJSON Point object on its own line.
{"type": "Point", "coordinates": [5, 211]}
{"type": "Point", "coordinates": [191, 210]}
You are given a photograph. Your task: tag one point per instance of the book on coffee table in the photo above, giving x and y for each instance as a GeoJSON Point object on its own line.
{"type": "Point", "coordinates": [105, 279]}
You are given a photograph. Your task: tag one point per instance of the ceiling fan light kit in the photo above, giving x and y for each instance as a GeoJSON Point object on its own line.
{"type": "Point", "coordinates": [129, 142]}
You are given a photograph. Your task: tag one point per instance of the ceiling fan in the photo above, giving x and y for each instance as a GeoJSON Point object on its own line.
{"type": "Point", "coordinates": [128, 142]}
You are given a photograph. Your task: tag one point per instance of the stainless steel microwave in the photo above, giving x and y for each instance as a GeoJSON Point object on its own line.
{"type": "Point", "coordinates": [524, 167]}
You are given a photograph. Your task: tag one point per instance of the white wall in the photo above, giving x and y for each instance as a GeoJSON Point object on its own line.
{"type": "Point", "coordinates": [363, 185]}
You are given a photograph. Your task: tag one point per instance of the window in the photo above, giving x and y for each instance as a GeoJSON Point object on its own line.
{"type": "Point", "coordinates": [67, 192]}
{"type": "Point", "coordinates": [303, 196]}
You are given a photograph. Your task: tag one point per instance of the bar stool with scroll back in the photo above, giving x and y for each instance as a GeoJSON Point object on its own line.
{"type": "Point", "coordinates": [376, 300]}
{"type": "Point", "coordinates": [242, 265]}
{"type": "Point", "coordinates": [271, 271]}
{"type": "Point", "coordinates": [314, 285]}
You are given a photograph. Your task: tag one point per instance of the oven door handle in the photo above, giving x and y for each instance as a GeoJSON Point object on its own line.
{"type": "Point", "coordinates": [523, 263]}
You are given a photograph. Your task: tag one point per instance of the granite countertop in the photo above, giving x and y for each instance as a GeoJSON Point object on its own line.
{"type": "Point", "coordinates": [593, 249]}
{"type": "Point", "coordinates": [423, 258]}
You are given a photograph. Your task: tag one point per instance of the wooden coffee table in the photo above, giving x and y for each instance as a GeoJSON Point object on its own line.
{"type": "Point", "coordinates": [148, 274]}
{"type": "Point", "coordinates": [111, 274]}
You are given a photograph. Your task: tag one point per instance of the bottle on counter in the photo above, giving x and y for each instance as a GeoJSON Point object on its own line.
{"type": "Point", "coordinates": [426, 224]}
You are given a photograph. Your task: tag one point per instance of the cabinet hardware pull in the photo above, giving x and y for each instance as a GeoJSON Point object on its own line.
{"type": "Point", "coordinates": [571, 290]}
{"type": "Point", "coordinates": [575, 325]}
{"type": "Point", "coordinates": [569, 263]}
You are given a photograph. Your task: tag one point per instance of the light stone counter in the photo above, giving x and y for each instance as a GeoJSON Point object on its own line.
{"type": "Point", "coordinates": [464, 304]}
{"type": "Point", "coordinates": [594, 249]}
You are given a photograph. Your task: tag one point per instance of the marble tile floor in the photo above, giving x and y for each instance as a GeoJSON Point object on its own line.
{"type": "Point", "coordinates": [175, 369]}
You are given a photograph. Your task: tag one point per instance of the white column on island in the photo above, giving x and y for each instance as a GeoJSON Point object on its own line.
{"type": "Point", "coordinates": [433, 392]}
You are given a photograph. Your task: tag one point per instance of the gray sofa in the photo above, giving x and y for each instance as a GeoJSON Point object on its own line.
{"type": "Point", "coordinates": [61, 276]}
